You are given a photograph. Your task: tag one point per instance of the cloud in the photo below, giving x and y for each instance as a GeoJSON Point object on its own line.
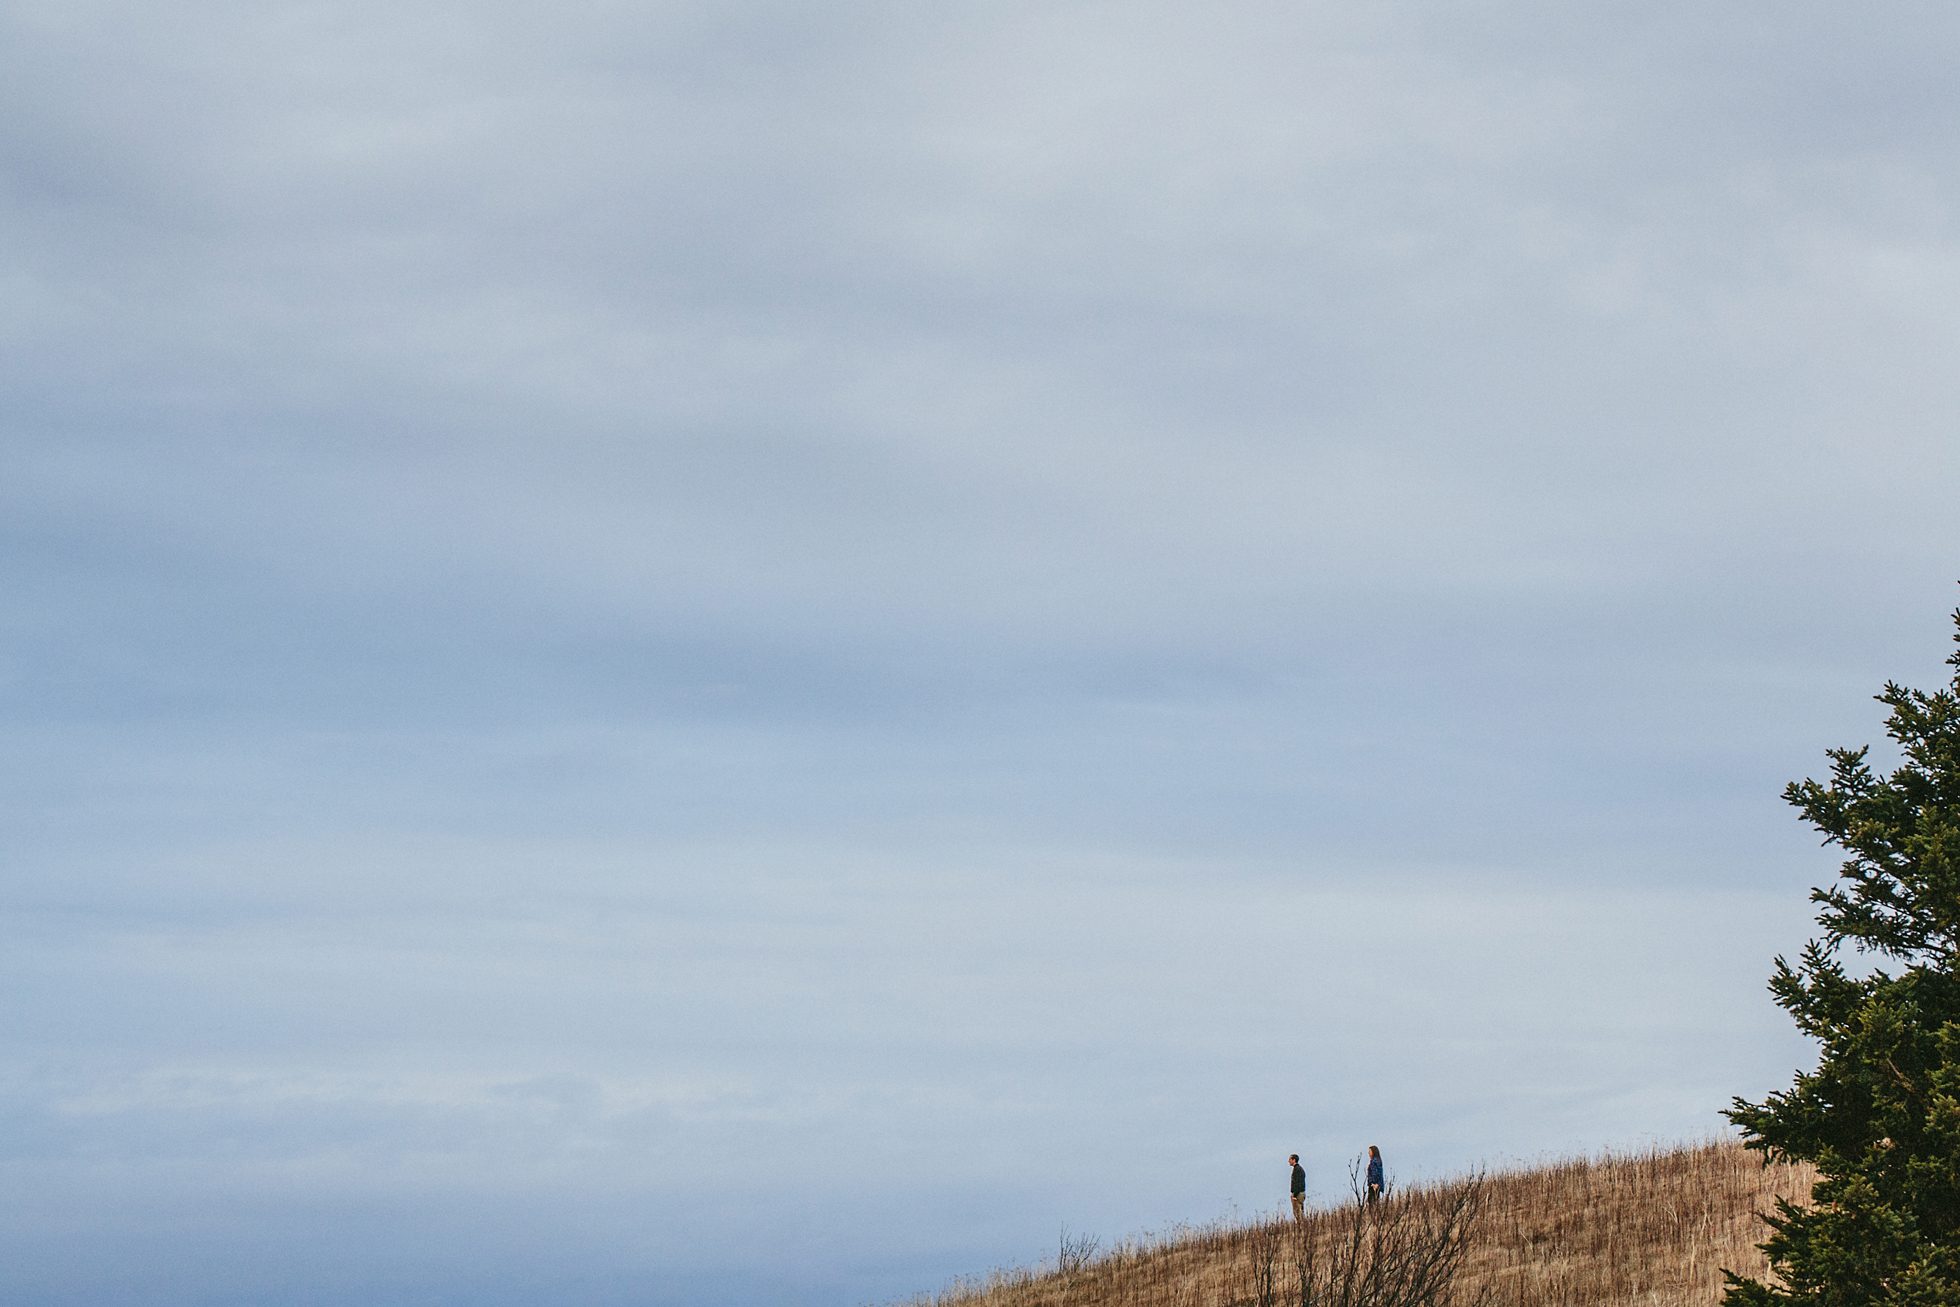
{"type": "Point", "coordinates": [629, 610]}
{"type": "Point", "coordinates": [854, 1034]}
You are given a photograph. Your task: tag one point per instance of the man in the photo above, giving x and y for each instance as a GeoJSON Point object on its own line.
{"type": "Point", "coordinates": [1299, 1187]}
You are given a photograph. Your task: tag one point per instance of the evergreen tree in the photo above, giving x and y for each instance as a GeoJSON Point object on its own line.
{"type": "Point", "coordinates": [1880, 1116]}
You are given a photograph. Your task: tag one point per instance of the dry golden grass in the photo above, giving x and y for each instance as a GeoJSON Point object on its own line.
{"type": "Point", "coordinates": [1654, 1228]}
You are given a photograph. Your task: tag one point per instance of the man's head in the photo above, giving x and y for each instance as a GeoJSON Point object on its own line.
{"type": "Point", "coordinates": [1292, 1159]}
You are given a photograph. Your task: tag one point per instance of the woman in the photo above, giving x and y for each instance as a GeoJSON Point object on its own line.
{"type": "Point", "coordinates": [1376, 1184]}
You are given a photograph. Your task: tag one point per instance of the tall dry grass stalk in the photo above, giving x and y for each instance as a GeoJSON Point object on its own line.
{"type": "Point", "coordinates": [1654, 1228]}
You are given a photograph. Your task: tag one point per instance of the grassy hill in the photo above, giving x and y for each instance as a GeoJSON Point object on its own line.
{"type": "Point", "coordinates": [1653, 1228]}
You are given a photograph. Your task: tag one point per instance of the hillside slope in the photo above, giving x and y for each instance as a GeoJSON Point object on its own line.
{"type": "Point", "coordinates": [1651, 1228]}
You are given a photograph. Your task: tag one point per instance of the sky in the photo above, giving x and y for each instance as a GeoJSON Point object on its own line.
{"type": "Point", "coordinates": [752, 652]}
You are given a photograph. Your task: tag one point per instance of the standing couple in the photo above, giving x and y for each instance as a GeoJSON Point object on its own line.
{"type": "Point", "coordinates": [1377, 1185]}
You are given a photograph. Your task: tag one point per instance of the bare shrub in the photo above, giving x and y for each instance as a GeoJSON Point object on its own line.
{"type": "Point", "coordinates": [1401, 1251]}
{"type": "Point", "coordinates": [1076, 1252]}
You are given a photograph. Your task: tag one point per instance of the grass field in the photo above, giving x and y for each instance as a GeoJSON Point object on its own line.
{"type": "Point", "coordinates": [1654, 1228]}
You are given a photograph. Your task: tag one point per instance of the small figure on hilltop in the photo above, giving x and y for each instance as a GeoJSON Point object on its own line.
{"type": "Point", "coordinates": [1299, 1187]}
{"type": "Point", "coordinates": [1377, 1184]}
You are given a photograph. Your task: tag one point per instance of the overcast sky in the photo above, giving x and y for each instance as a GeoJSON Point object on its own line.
{"type": "Point", "coordinates": [755, 652]}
